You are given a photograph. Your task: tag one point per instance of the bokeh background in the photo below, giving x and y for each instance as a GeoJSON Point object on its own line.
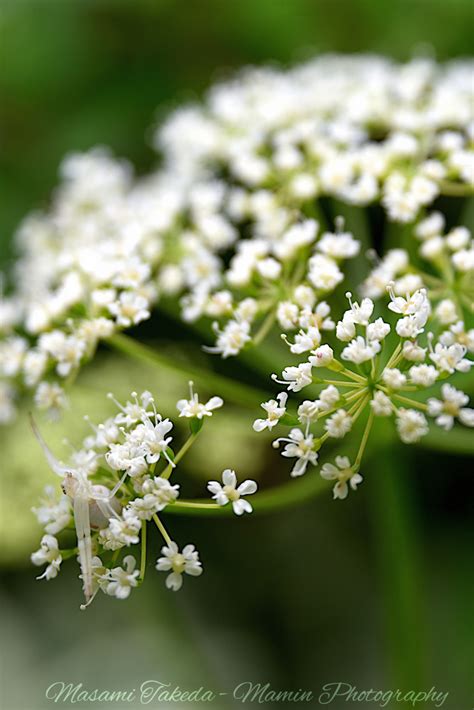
{"type": "Point", "coordinates": [376, 591]}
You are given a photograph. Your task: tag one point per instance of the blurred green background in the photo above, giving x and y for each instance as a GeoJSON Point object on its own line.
{"type": "Point", "coordinates": [375, 591]}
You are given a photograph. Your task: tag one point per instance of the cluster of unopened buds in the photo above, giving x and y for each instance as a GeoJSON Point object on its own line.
{"type": "Point", "coordinates": [367, 379]}
{"type": "Point", "coordinates": [114, 485]}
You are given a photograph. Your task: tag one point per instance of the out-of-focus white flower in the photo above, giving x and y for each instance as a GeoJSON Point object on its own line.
{"type": "Point", "coordinates": [48, 554]}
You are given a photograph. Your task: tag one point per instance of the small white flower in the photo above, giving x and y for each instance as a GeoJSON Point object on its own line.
{"type": "Point", "coordinates": [231, 339]}
{"type": "Point", "coordinates": [231, 493]}
{"type": "Point", "coordinates": [378, 330]}
{"type": "Point", "coordinates": [360, 350]}
{"type": "Point", "coordinates": [275, 409]}
{"type": "Point", "coordinates": [122, 531]}
{"type": "Point", "coordinates": [423, 375]}
{"type": "Point", "coordinates": [287, 315]}
{"type": "Point", "coordinates": [130, 309]}
{"type": "Point", "coordinates": [121, 580]}
{"type": "Point", "coordinates": [322, 356]}
{"type": "Point", "coordinates": [431, 226]}
{"type": "Point", "coordinates": [54, 513]}
{"type": "Point", "coordinates": [411, 305]}
{"type": "Point", "coordinates": [306, 298]}
{"type": "Point", "coordinates": [359, 314]}
{"type": "Point", "coordinates": [306, 340]}
{"type": "Point", "coordinates": [381, 404]}
{"type": "Point", "coordinates": [338, 246]}
{"type": "Point", "coordinates": [342, 472]}
{"type": "Point", "coordinates": [308, 411]}
{"type": "Point", "coordinates": [446, 311]}
{"type": "Point", "coordinates": [299, 235]}
{"type": "Point", "coordinates": [324, 273]}
{"type": "Point", "coordinates": [328, 398]}
{"type": "Point", "coordinates": [48, 554]}
{"type": "Point", "coordinates": [393, 378]}
{"type": "Point", "coordinates": [297, 377]}
{"type": "Point", "coordinates": [338, 424]}
{"type": "Point", "coordinates": [178, 562]}
{"type": "Point", "coordinates": [153, 438]}
{"type": "Point", "coordinates": [450, 407]}
{"type": "Point", "coordinates": [127, 457]}
{"type": "Point", "coordinates": [411, 425]}
{"type": "Point", "coordinates": [300, 447]}
{"type": "Point", "coordinates": [450, 358]}
{"type": "Point", "coordinates": [345, 329]}
{"type": "Point", "coordinates": [193, 408]}
{"type": "Point", "coordinates": [413, 352]}
{"type": "Point", "coordinates": [162, 491]}
{"type": "Point", "coordinates": [318, 318]}
{"type": "Point", "coordinates": [51, 397]}
{"type": "Point", "coordinates": [458, 334]}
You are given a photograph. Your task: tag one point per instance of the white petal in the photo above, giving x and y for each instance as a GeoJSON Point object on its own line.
{"type": "Point", "coordinates": [247, 488]}
{"type": "Point", "coordinates": [214, 403]}
{"type": "Point", "coordinates": [340, 490]}
{"type": "Point", "coordinates": [329, 472]}
{"type": "Point", "coordinates": [241, 506]}
{"type": "Point", "coordinates": [174, 581]}
{"type": "Point", "coordinates": [163, 564]}
{"type": "Point", "coordinates": [229, 478]}
{"type": "Point", "coordinates": [466, 416]}
{"type": "Point", "coordinates": [193, 569]}
{"type": "Point", "coordinates": [214, 487]}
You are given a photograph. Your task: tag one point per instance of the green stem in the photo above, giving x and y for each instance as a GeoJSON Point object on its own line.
{"type": "Point", "coordinates": [341, 383]}
{"type": "Point", "coordinates": [453, 189]}
{"type": "Point", "coordinates": [162, 529]}
{"type": "Point", "coordinates": [365, 438]}
{"type": "Point", "coordinates": [393, 357]}
{"type": "Point", "coordinates": [352, 375]}
{"type": "Point", "coordinates": [264, 328]}
{"type": "Point", "coordinates": [236, 392]}
{"type": "Point", "coordinates": [196, 504]}
{"type": "Point", "coordinates": [272, 500]}
{"type": "Point", "coordinates": [412, 402]}
{"type": "Point", "coordinates": [185, 447]}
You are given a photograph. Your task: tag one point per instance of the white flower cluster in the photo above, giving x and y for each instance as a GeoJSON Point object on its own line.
{"type": "Point", "coordinates": [111, 489]}
{"type": "Point", "coordinates": [368, 379]}
{"type": "Point", "coordinates": [444, 265]}
{"type": "Point", "coordinates": [230, 222]}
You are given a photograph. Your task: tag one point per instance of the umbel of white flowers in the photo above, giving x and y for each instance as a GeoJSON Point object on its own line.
{"type": "Point", "coordinates": [365, 379]}
{"type": "Point", "coordinates": [114, 485]}
{"type": "Point", "coordinates": [230, 224]}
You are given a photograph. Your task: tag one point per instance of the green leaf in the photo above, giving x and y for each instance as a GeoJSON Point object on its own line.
{"type": "Point", "coordinates": [195, 425]}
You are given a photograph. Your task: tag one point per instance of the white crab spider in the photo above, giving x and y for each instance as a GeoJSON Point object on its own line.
{"type": "Point", "coordinates": [93, 506]}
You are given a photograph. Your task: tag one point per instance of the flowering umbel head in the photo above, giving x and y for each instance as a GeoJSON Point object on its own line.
{"type": "Point", "coordinates": [114, 485]}
{"type": "Point", "coordinates": [374, 382]}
